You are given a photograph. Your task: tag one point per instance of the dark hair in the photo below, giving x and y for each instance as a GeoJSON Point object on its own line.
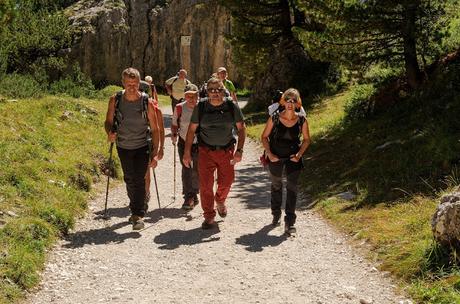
{"type": "Point", "coordinates": [276, 96]}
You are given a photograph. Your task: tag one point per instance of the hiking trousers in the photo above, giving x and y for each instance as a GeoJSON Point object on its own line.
{"type": "Point", "coordinates": [292, 170]}
{"type": "Point", "coordinates": [190, 181]}
{"type": "Point", "coordinates": [210, 161]}
{"type": "Point", "coordinates": [134, 164]}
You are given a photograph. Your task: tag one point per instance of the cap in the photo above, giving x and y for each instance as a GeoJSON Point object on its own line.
{"type": "Point", "coordinates": [221, 69]}
{"type": "Point", "coordinates": [191, 88]}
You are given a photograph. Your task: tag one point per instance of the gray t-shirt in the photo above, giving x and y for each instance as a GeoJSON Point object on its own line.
{"type": "Point", "coordinates": [216, 123]}
{"type": "Point", "coordinates": [184, 120]}
{"type": "Point", "coordinates": [132, 131]}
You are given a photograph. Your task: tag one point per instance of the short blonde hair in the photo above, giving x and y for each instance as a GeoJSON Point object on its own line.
{"type": "Point", "coordinates": [131, 73]}
{"type": "Point", "coordinates": [148, 78]}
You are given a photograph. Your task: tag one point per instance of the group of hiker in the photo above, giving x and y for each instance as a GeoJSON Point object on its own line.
{"type": "Point", "coordinates": [209, 131]}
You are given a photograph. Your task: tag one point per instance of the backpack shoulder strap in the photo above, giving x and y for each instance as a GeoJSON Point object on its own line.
{"type": "Point", "coordinates": [231, 106]}
{"type": "Point", "coordinates": [145, 105]}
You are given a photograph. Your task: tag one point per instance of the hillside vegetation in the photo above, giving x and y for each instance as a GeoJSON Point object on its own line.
{"type": "Point", "coordinates": [398, 161]}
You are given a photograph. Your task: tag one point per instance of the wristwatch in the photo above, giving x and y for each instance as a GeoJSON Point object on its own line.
{"type": "Point", "coordinates": [239, 150]}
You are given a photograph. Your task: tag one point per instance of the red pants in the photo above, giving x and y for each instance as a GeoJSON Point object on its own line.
{"type": "Point", "coordinates": [208, 162]}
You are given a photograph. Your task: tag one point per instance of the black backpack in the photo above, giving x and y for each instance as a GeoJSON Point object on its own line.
{"type": "Point", "coordinates": [118, 117]}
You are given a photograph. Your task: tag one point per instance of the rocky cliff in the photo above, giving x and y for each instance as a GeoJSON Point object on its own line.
{"type": "Point", "coordinates": [155, 37]}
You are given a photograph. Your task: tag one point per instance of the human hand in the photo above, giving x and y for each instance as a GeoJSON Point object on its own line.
{"type": "Point", "coordinates": [187, 159]}
{"type": "Point", "coordinates": [272, 157]}
{"type": "Point", "coordinates": [112, 137]}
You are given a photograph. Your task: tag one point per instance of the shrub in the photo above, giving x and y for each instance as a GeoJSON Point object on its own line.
{"type": "Point", "coordinates": [20, 86]}
{"type": "Point", "coordinates": [359, 104]}
{"type": "Point", "coordinates": [108, 91]}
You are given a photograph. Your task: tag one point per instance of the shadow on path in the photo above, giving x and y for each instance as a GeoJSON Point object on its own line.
{"type": "Point", "coordinates": [255, 242]}
{"type": "Point", "coordinates": [252, 187]}
{"type": "Point", "coordinates": [100, 236]}
{"type": "Point", "coordinates": [175, 238]}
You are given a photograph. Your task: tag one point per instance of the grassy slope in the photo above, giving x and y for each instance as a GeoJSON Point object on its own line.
{"type": "Point", "coordinates": [398, 186]}
{"type": "Point", "coordinates": [48, 164]}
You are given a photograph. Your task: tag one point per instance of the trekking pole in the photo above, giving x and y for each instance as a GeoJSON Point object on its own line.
{"type": "Point", "coordinates": [174, 193]}
{"type": "Point", "coordinates": [158, 196]}
{"type": "Point", "coordinates": [108, 180]}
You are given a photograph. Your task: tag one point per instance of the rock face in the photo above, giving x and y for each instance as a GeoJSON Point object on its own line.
{"type": "Point", "coordinates": [446, 221]}
{"type": "Point", "coordinates": [155, 37]}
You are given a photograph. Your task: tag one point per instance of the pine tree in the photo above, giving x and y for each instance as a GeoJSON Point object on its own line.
{"type": "Point", "coordinates": [267, 50]}
{"type": "Point", "coordinates": [361, 32]}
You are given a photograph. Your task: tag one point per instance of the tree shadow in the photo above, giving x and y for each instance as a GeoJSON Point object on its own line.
{"type": "Point", "coordinates": [252, 187]}
{"type": "Point", "coordinates": [173, 239]}
{"type": "Point", "coordinates": [155, 215]}
{"type": "Point", "coordinates": [255, 242]}
{"type": "Point", "coordinates": [100, 236]}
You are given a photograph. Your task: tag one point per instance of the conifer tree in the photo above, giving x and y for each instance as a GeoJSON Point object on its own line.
{"type": "Point", "coordinates": [362, 32]}
{"type": "Point", "coordinates": [267, 50]}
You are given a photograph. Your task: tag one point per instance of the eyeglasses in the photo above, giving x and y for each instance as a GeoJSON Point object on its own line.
{"type": "Point", "coordinates": [215, 90]}
{"type": "Point", "coordinates": [291, 100]}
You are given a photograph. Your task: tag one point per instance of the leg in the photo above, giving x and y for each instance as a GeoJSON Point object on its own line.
{"type": "Point", "coordinates": [225, 174]}
{"type": "Point", "coordinates": [292, 173]}
{"type": "Point", "coordinates": [276, 177]}
{"type": "Point", "coordinates": [195, 188]}
{"type": "Point", "coordinates": [134, 164]}
{"type": "Point", "coordinates": [206, 168]}
{"type": "Point", "coordinates": [187, 190]}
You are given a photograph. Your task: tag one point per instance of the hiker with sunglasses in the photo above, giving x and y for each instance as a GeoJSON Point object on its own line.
{"type": "Point", "coordinates": [281, 140]}
{"type": "Point", "coordinates": [218, 150]}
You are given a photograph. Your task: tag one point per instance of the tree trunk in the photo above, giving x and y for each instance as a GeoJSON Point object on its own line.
{"type": "Point", "coordinates": [410, 47]}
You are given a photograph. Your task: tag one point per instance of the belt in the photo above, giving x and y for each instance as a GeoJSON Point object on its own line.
{"type": "Point", "coordinates": [215, 148]}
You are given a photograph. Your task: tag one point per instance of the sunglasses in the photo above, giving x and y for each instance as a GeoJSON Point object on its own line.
{"type": "Point", "coordinates": [215, 90]}
{"type": "Point", "coordinates": [291, 100]}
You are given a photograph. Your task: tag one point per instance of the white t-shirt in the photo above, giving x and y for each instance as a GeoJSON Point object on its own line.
{"type": "Point", "coordinates": [185, 117]}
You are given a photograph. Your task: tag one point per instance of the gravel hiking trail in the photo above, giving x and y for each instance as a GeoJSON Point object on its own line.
{"type": "Point", "coordinates": [244, 260]}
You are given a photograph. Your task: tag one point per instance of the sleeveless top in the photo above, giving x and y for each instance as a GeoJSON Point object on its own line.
{"type": "Point", "coordinates": [133, 128]}
{"type": "Point", "coordinates": [285, 141]}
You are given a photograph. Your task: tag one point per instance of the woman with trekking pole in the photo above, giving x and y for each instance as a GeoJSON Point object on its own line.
{"type": "Point", "coordinates": [281, 140]}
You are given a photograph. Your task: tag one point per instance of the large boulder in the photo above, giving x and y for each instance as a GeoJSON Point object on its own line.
{"type": "Point", "coordinates": [446, 221]}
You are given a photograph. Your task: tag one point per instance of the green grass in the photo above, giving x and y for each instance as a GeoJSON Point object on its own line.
{"type": "Point", "coordinates": [51, 153]}
{"type": "Point", "coordinates": [398, 162]}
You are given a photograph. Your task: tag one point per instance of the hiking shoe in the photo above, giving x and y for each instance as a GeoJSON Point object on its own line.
{"type": "Point", "coordinates": [138, 223]}
{"type": "Point", "coordinates": [276, 219]}
{"type": "Point", "coordinates": [289, 230]}
{"type": "Point", "coordinates": [208, 225]}
{"type": "Point", "coordinates": [188, 204]}
{"type": "Point", "coordinates": [221, 209]}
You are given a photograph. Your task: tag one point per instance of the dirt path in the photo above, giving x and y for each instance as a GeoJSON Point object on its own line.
{"type": "Point", "coordinates": [174, 261]}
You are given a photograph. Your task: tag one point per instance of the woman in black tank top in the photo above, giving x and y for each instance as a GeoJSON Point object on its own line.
{"type": "Point", "coordinates": [281, 140]}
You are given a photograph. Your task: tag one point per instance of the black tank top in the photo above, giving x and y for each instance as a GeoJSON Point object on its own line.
{"type": "Point", "coordinates": [285, 141]}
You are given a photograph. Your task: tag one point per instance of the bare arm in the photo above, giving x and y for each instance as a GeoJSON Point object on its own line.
{"type": "Point", "coordinates": [109, 120]}
{"type": "Point", "coordinates": [305, 142]}
{"type": "Point", "coordinates": [188, 144]}
{"type": "Point", "coordinates": [162, 133]}
{"type": "Point", "coordinates": [154, 127]}
{"type": "Point", "coordinates": [241, 139]}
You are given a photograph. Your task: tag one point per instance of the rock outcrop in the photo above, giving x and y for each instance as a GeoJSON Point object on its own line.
{"type": "Point", "coordinates": [155, 37]}
{"type": "Point", "coordinates": [446, 221]}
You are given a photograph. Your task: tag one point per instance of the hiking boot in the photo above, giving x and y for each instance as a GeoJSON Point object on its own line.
{"type": "Point", "coordinates": [276, 219]}
{"type": "Point", "coordinates": [289, 230]}
{"type": "Point", "coordinates": [221, 209]}
{"type": "Point", "coordinates": [138, 222]}
{"type": "Point", "coordinates": [188, 204]}
{"type": "Point", "coordinates": [208, 225]}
